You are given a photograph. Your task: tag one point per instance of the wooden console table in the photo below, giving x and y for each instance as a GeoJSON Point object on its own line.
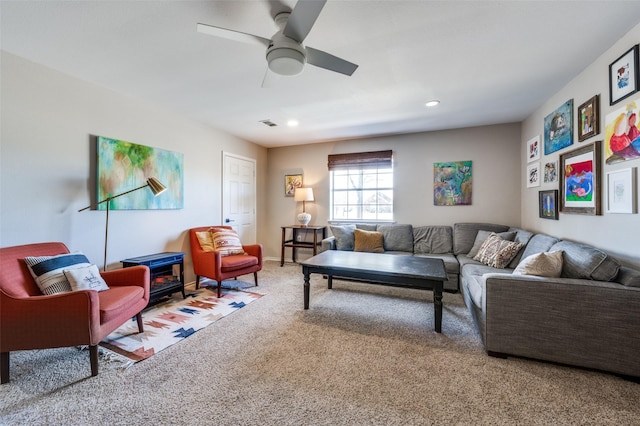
{"type": "Point", "coordinates": [295, 244]}
{"type": "Point", "coordinates": [163, 280]}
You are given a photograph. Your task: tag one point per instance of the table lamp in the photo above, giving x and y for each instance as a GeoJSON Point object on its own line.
{"type": "Point", "coordinates": [304, 195]}
{"type": "Point", "coordinates": [154, 185]}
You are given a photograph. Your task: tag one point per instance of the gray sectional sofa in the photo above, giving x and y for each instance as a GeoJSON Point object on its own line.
{"type": "Point", "coordinates": [588, 316]}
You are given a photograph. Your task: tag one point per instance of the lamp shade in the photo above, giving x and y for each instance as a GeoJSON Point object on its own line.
{"type": "Point", "coordinates": [303, 194]}
{"type": "Point", "coordinates": [156, 186]}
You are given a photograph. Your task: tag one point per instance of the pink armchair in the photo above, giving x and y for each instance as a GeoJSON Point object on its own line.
{"type": "Point", "coordinates": [211, 264]}
{"type": "Point", "coordinates": [31, 320]}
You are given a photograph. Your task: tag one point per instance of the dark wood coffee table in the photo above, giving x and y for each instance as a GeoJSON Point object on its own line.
{"type": "Point", "coordinates": [383, 269]}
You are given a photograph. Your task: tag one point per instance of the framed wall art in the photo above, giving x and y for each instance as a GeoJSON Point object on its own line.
{"type": "Point", "coordinates": [550, 172]}
{"type": "Point", "coordinates": [623, 76]}
{"type": "Point", "coordinates": [291, 182]}
{"type": "Point", "coordinates": [452, 183]}
{"type": "Point", "coordinates": [533, 149]}
{"type": "Point", "coordinates": [123, 165]}
{"type": "Point", "coordinates": [589, 118]}
{"type": "Point", "coordinates": [621, 191]}
{"type": "Point", "coordinates": [622, 134]}
{"type": "Point", "coordinates": [548, 204]}
{"type": "Point", "coordinates": [533, 174]}
{"type": "Point", "coordinates": [558, 128]}
{"type": "Point", "coordinates": [580, 180]}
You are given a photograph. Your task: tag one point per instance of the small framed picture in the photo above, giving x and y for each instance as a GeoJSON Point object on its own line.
{"type": "Point", "coordinates": [580, 180]}
{"type": "Point", "coordinates": [589, 118]}
{"type": "Point", "coordinates": [533, 175]}
{"type": "Point", "coordinates": [623, 76]}
{"type": "Point", "coordinates": [621, 191]}
{"type": "Point", "coordinates": [533, 149]}
{"type": "Point", "coordinates": [548, 204]}
{"type": "Point", "coordinates": [550, 172]}
{"type": "Point", "coordinates": [291, 182]}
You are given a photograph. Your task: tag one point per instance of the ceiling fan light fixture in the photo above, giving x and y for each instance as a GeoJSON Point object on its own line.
{"type": "Point", "coordinates": [432, 103]}
{"type": "Point", "coordinates": [285, 61]}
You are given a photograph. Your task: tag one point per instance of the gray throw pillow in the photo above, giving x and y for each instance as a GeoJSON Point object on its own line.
{"type": "Point", "coordinates": [344, 236]}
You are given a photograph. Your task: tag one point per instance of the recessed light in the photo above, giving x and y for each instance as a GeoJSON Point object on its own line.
{"type": "Point", "coordinates": [432, 103]}
{"type": "Point", "coordinates": [292, 123]}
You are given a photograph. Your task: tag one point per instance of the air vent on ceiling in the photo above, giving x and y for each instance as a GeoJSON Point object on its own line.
{"type": "Point", "coordinates": [268, 123]}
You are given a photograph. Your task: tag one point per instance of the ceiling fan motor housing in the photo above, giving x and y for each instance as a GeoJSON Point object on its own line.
{"type": "Point", "coordinates": [285, 56]}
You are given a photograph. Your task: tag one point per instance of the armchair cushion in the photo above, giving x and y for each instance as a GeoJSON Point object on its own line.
{"type": "Point", "coordinates": [48, 271]}
{"type": "Point", "coordinates": [236, 262]}
{"type": "Point", "coordinates": [116, 300]}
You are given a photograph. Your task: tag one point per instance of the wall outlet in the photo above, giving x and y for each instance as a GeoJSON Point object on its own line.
{"type": "Point", "coordinates": [299, 238]}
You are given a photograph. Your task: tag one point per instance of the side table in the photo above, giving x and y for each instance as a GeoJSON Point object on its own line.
{"type": "Point", "coordinates": [163, 281]}
{"type": "Point", "coordinates": [295, 244]}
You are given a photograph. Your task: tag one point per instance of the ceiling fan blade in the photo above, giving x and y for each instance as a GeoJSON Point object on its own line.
{"type": "Point", "coordinates": [302, 18]}
{"type": "Point", "coordinates": [233, 35]}
{"type": "Point", "coordinates": [270, 79]}
{"type": "Point", "coordinates": [328, 61]}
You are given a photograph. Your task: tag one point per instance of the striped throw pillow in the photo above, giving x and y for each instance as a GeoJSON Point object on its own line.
{"type": "Point", "coordinates": [227, 242]}
{"type": "Point", "coordinates": [48, 271]}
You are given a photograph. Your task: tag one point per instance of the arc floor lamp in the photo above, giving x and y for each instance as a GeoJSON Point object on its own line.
{"type": "Point", "coordinates": [156, 188]}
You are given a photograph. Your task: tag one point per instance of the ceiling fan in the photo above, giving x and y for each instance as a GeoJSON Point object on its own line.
{"type": "Point", "coordinates": [285, 53]}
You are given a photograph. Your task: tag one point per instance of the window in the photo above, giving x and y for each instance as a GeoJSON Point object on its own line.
{"type": "Point", "coordinates": [362, 186]}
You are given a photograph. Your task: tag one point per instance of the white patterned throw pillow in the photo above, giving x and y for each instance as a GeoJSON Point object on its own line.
{"type": "Point", "coordinates": [544, 264]}
{"type": "Point", "coordinates": [87, 278]}
{"type": "Point", "coordinates": [48, 271]}
{"type": "Point", "coordinates": [497, 252]}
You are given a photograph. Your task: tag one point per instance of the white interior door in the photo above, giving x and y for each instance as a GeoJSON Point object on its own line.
{"type": "Point", "coordinates": [239, 195]}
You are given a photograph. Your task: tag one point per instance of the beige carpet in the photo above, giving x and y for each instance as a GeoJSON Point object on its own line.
{"type": "Point", "coordinates": [357, 357]}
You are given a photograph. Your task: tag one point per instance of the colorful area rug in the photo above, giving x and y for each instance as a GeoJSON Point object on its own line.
{"type": "Point", "coordinates": [176, 319]}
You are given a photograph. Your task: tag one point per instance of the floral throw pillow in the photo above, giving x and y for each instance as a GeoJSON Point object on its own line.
{"type": "Point", "coordinates": [497, 252]}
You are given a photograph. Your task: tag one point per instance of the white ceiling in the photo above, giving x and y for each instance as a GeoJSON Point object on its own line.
{"type": "Point", "coordinates": [487, 62]}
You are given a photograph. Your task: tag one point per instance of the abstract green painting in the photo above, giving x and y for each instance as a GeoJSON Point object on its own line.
{"type": "Point", "coordinates": [452, 183]}
{"type": "Point", "coordinates": [122, 166]}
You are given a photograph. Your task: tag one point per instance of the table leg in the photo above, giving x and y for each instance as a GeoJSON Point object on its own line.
{"type": "Point", "coordinates": [307, 286]}
{"type": "Point", "coordinates": [282, 253]}
{"type": "Point", "coordinates": [315, 242]}
{"type": "Point", "coordinates": [437, 303]}
{"type": "Point", "coordinates": [329, 282]}
{"type": "Point", "coordinates": [294, 234]}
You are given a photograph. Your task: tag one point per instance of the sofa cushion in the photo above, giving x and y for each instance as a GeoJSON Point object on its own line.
{"type": "Point", "coordinates": [545, 264]}
{"type": "Point", "coordinates": [367, 226]}
{"type": "Point", "coordinates": [481, 237]}
{"type": "Point", "coordinates": [433, 239]}
{"type": "Point", "coordinates": [521, 237]}
{"type": "Point", "coordinates": [48, 271]}
{"type": "Point", "coordinates": [451, 264]}
{"type": "Point", "coordinates": [629, 277]}
{"type": "Point", "coordinates": [539, 243]}
{"type": "Point", "coordinates": [497, 252]}
{"type": "Point", "coordinates": [397, 237]}
{"type": "Point", "coordinates": [464, 234]}
{"type": "Point", "coordinates": [344, 236]}
{"type": "Point", "coordinates": [368, 241]}
{"type": "Point", "coordinates": [582, 261]}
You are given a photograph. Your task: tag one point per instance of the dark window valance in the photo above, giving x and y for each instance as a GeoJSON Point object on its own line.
{"type": "Point", "coordinates": [364, 160]}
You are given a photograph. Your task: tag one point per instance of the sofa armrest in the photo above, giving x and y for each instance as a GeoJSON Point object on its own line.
{"type": "Point", "coordinates": [254, 250]}
{"type": "Point", "coordinates": [328, 243]}
{"type": "Point", "coordinates": [581, 322]}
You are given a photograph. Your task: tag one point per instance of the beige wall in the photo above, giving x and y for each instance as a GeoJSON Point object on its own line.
{"type": "Point", "coordinates": [47, 121]}
{"type": "Point", "coordinates": [619, 234]}
{"type": "Point", "coordinates": [494, 150]}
